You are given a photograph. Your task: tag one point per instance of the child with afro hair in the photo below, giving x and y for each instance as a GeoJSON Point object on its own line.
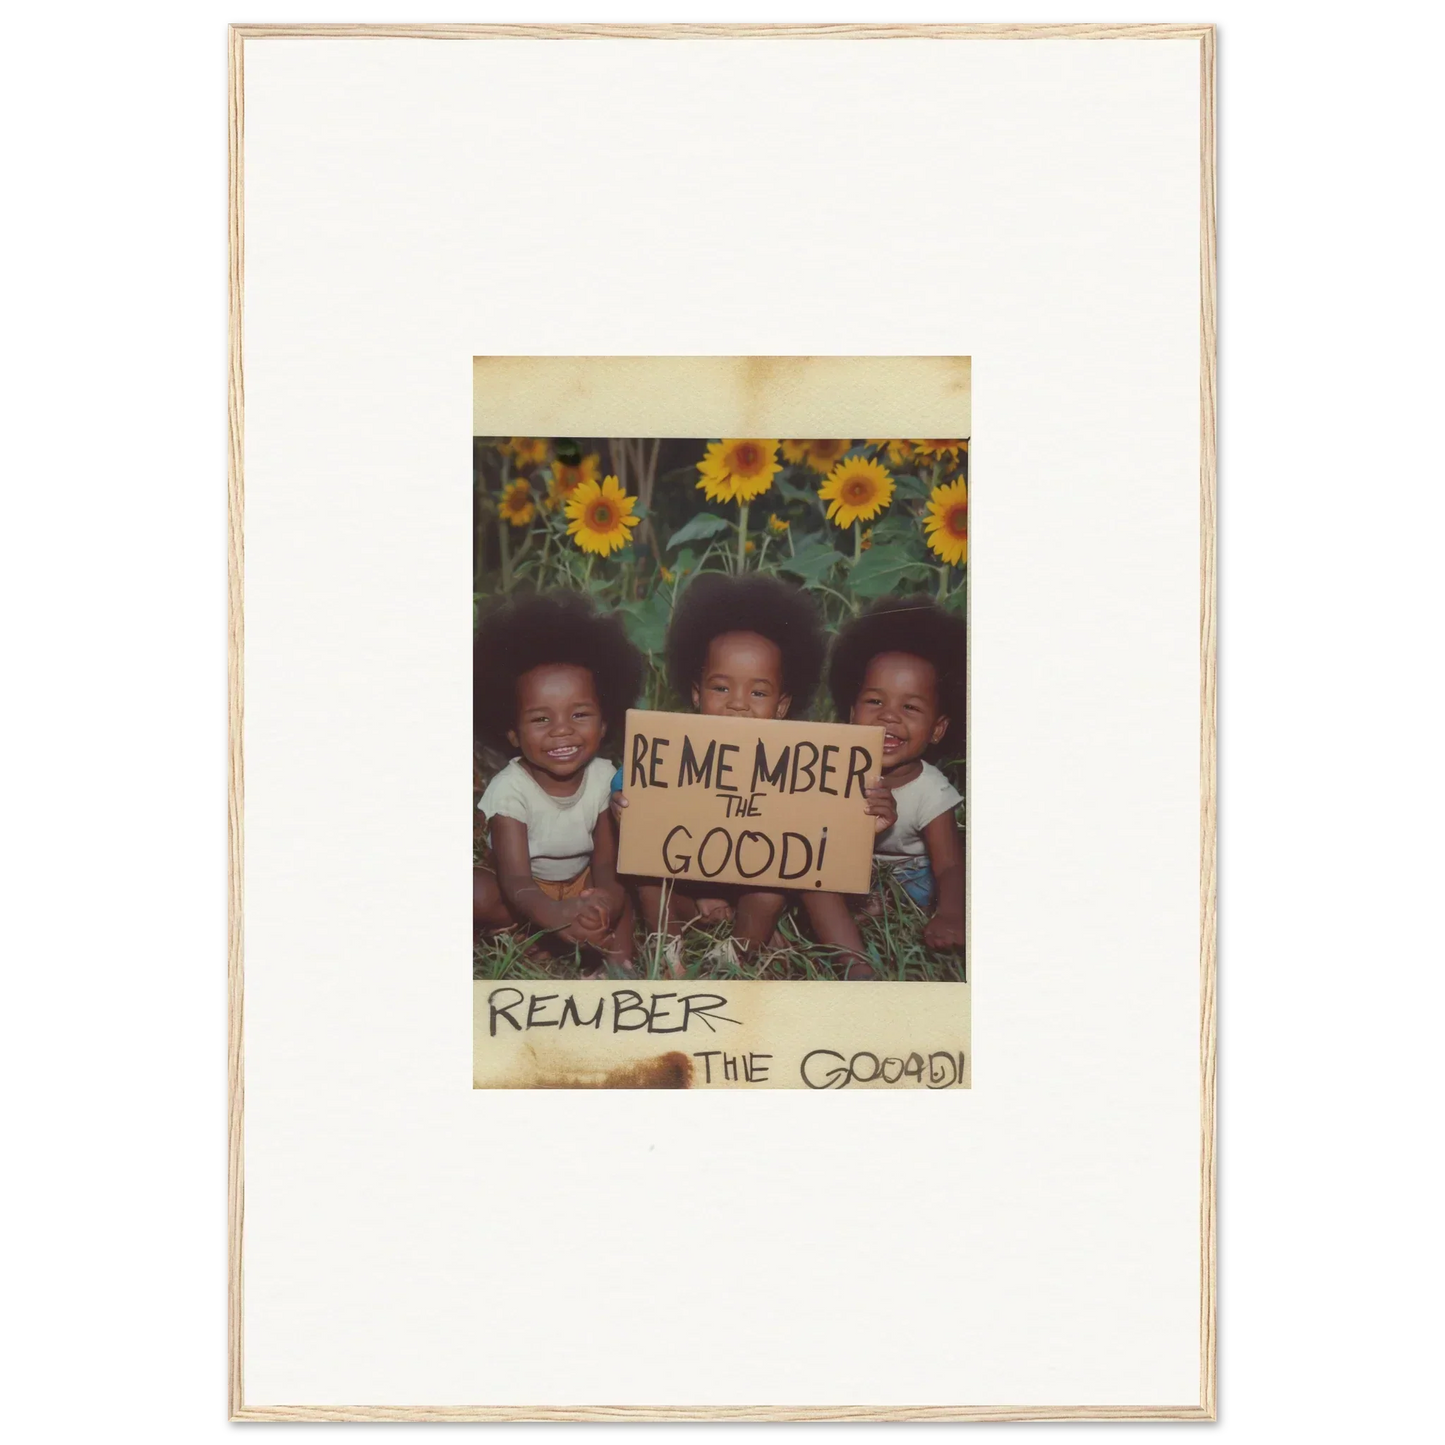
{"type": "Point", "coordinates": [551, 680]}
{"type": "Point", "coordinates": [745, 647]}
{"type": "Point", "coordinates": [901, 666]}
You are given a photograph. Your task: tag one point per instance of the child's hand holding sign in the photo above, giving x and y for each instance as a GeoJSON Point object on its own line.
{"type": "Point", "coordinates": [881, 806]}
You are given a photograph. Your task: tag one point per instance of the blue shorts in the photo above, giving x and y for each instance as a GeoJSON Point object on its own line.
{"type": "Point", "coordinates": [915, 877]}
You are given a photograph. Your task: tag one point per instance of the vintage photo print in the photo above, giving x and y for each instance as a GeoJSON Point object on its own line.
{"type": "Point", "coordinates": [720, 756]}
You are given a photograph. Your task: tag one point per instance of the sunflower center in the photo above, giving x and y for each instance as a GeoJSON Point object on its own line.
{"type": "Point", "coordinates": [958, 521]}
{"type": "Point", "coordinates": [857, 490]}
{"type": "Point", "coordinates": [602, 514]}
{"type": "Point", "coordinates": [747, 456]}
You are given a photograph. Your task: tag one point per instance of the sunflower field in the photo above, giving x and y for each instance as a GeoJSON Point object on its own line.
{"type": "Point", "coordinates": [631, 521]}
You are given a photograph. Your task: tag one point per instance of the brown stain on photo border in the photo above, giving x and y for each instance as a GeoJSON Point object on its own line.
{"type": "Point", "coordinates": [672, 1070]}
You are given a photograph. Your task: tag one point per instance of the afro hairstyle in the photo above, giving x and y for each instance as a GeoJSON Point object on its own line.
{"type": "Point", "coordinates": [715, 603]}
{"type": "Point", "coordinates": [916, 625]}
{"type": "Point", "coordinates": [531, 629]}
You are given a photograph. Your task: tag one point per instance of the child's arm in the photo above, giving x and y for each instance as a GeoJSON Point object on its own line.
{"type": "Point", "coordinates": [605, 889]}
{"type": "Point", "coordinates": [519, 888]}
{"type": "Point", "coordinates": [945, 854]}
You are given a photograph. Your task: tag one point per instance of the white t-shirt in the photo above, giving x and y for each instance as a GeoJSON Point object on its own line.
{"type": "Point", "coordinates": [918, 803]}
{"type": "Point", "coordinates": [559, 830]}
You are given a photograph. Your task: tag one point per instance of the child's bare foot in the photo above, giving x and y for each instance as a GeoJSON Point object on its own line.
{"type": "Point", "coordinates": [859, 968]}
{"type": "Point", "coordinates": [872, 905]}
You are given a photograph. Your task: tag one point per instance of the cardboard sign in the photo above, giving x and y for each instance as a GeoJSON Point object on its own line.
{"type": "Point", "coordinates": [740, 800]}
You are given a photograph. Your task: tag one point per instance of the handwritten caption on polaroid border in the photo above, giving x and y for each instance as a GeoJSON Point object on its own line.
{"type": "Point", "coordinates": [734, 1036]}
{"type": "Point", "coordinates": [745, 800]}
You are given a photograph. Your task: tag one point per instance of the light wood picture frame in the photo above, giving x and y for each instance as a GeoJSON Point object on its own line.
{"type": "Point", "coordinates": [244, 38]}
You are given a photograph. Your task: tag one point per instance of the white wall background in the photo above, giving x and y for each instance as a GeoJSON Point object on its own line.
{"type": "Point", "coordinates": [407, 1240]}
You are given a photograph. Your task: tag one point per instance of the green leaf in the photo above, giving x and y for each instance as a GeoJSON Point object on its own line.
{"type": "Point", "coordinates": [794, 493]}
{"type": "Point", "coordinates": [705, 524]}
{"type": "Point", "coordinates": [815, 560]}
{"type": "Point", "coordinates": [910, 488]}
{"type": "Point", "coordinates": [881, 570]}
{"type": "Point", "coordinates": [903, 529]}
{"type": "Point", "coordinates": [646, 621]}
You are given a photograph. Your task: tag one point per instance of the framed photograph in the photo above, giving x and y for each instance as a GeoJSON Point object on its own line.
{"type": "Point", "coordinates": [841, 1002]}
{"type": "Point", "coordinates": [761, 639]}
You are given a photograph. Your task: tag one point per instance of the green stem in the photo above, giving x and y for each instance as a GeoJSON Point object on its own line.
{"type": "Point", "coordinates": [849, 602]}
{"type": "Point", "coordinates": [503, 544]}
{"type": "Point", "coordinates": [742, 535]}
{"type": "Point", "coordinates": [857, 540]}
{"type": "Point", "coordinates": [943, 582]}
{"type": "Point", "coordinates": [792, 549]}
{"type": "Point", "coordinates": [522, 551]}
{"type": "Point", "coordinates": [482, 520]}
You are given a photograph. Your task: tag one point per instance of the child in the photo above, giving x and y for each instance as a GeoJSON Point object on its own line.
{"type": "Point", "coordinates": [748, 646]}
{"type": "Point", "coordinates": [551, 680]}
{"type": "Point", "coordinates": [901, 666]}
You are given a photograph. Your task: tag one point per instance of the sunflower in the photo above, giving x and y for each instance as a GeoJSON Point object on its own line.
{"type": "Point", "coordinates": [866, 540]}
{"type": "Point", "coordinates": [527, 451]}
{"type": "Point", "coordinates": [947, 522]}
{"type": "Point", "coordinates": [599, 517]}
{"type": "Point", "coordinates": [777, 524]}
{"type": "Point", "coordinates": [738, 471]}
{"type": "Point", "coordinates": [899, 452]}
{"type": "Point", "coordinates": [820, 455]}
{"type": "Point", "coordinates": [516, 504]}
{"type": "Point", "coordinates": [823, 455]}
{"type": "Point", "coordinates": [939, 450]}
{"type": "Point", "coordinates": [856, 491]}
{"type": "Point", "coordinates": [566, 480]}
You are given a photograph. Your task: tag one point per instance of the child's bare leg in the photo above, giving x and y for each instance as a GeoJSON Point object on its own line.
{"type": "Point", "coordinates": [680, 907]}
{"type": "Point", "coordinates": [489, 908]}
{"type": "Point", "coordinates": [756, 916]}
{"type": "Point", "coordinates": [833, 927]}
{"type": "Point", "coordinates": [713, 910]}
{"type": "Point", "coordinates": [620, 942]}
